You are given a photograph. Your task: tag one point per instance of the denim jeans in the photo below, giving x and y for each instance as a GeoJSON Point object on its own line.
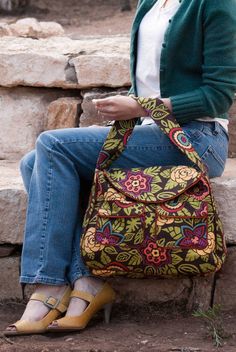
{"type": "Point", "coordinates": [54, 174]}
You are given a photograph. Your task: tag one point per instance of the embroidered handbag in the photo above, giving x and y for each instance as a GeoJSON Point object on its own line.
{"type": "Point", "coordinates": [154, 221]}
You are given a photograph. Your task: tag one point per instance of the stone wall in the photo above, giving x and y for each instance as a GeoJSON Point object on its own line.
{"type": "Point", "coordinates": [49, 83]}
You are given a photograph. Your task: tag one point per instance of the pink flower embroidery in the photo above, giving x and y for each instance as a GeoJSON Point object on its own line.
{"type": "Point", "coordinates": [137, 182]}
{"type": "Point", "coordinates": [156, 255]}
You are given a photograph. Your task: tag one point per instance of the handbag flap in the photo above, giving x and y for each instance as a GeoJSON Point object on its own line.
{"type": "Point", "coordinates": [153, 184]}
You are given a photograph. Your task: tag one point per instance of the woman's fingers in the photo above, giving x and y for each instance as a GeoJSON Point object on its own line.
{"type": "Point", "coordinates": [103, 104]}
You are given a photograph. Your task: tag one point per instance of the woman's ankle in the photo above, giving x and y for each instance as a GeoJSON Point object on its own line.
{"type": "Point", "coordinates": [88, 283]}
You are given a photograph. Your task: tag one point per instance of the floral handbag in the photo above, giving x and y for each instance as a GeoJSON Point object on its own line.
{"type": "Point", "coordinates": [155, 221]}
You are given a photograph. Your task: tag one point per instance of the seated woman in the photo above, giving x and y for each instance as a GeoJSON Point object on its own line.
{"type": "Point", "coordinates": [182, 51]}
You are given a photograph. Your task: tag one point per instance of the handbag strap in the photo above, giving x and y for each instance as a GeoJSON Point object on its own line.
{"type": "Point", "coordinates": [121, 131]}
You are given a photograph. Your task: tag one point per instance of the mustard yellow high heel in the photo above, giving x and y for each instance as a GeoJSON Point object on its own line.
{"type": "Point", "coordinates": [57, 308]}
{"type": "Point", "coordinates": [103, 299]}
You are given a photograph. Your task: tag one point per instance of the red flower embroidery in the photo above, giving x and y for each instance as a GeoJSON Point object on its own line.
{"type": "Point", "coordinates": [137, 182]}
{"type": "Point", "coordinates": [157, 255]}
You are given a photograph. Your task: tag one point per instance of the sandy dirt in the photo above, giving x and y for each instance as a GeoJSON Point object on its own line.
{"type": "Point", "coordinates": [81, 17]}
{"type": "Point", "coordinates": [129, 331]}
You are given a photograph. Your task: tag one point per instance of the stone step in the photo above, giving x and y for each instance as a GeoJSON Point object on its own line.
{"type": "Point", "coordinates": [13, 202]}
{"type": "Point", "coordinates": [65, 63]}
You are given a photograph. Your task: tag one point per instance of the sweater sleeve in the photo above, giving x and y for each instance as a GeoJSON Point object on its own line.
{"type": "Point", "coordinates": [216, 94]}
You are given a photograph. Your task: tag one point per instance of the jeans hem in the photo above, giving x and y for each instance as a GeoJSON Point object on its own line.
{"type": "Point", "coordinates": [42, 280]}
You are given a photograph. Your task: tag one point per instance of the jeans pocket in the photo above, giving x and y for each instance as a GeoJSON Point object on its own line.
{"type": "Point", "coordinates": [213, 161]}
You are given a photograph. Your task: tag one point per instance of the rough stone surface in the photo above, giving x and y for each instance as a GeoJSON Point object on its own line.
{"type": "Point", "coordinates": [12, 204]}
{"type": "Point", "coordinates": [193, 293]}
{"type": "Point", "coordinates": [22, 118]}
{"type": "Point", "coordinates": [64, 63]}
{"type": "Point", "coordinates": [232, 131]}
{"type": "Point", "coordinates": [224, 189]}
{"type": "Point", "coordinates": [109, 70]}
{"type": "Point", "coordinates": [10, 288]}
{"type": "Point", "coordinates": [89, 116]}
{"type": "Point", "coordinates": [63, 113]}
{"type": "Point", "coordinates": [30, 27]}
{"type": "Point", "coordinates": [225, 289]}
{"type": "Point", "coordinates": [4, 30]}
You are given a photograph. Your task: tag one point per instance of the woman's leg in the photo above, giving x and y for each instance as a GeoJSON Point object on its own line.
{"type": "Point", "coordinates": [52, 182]}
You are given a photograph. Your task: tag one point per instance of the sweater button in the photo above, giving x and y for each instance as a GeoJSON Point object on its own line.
{"type": "Point", "coordinates": [170, 20]}
{"type": "Point", "coordinates": [164, 45]}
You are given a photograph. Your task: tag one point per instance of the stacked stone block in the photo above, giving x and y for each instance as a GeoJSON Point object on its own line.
{"type": "Point", "coordinates": [50, 83]}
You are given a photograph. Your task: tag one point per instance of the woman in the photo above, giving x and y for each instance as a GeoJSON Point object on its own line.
{"type": "Point", "coordinates": [185, 53]}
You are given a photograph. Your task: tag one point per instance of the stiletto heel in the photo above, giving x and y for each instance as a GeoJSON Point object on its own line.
{"type": "Point", "coordinates": [107, 312]}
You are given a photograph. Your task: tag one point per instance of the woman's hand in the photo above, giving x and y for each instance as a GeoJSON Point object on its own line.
{"type": "Point", "coordinates": [118, 107]}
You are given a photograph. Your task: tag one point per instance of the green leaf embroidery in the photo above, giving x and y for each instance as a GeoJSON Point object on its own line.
{"type": "Point", "coordinates": [111, 144]}
{"type": "Point", "coordinates": [105, 259]}
{"type": "Point", "coordinates": [133, 224]}
{"type": "Point", "coordinates": [176, 259]}
{"type": "Point", "coordinates": [118, 175]}
{"type": "Point", "coordinates": [95, 265]}
{"type": "Point", "coordinates": [139, 236]}
{"type": "Point", "coordinates": [155, 188]}
{"type": "Point", "coordinates": [123, 257]}
{"type": "Point", "coordinates": [110, 250]}
{"type": "Point", "coordinates": [118, 225]}
{"type": "Point", "coordinates": [91, 255]}
{"type": "Point", "coordinates": [206, 267]}
{"type": "Point", "coordinates": [191, 256]}
{"type": "Point", "coordinates": [135, 259]}
{"type": "Point", "coordinates": [170, 184]}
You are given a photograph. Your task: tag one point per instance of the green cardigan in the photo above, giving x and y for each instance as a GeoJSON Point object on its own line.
{"type": "Point", "coordinates": [198, 60]}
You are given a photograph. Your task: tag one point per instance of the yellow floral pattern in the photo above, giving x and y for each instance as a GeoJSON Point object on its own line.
{"type": "Point", "coordinates": [89, 244]}
{"type": "Point", "coordinates": [210, 247]}
{"type": "Point", "coordinates": [181, 174]}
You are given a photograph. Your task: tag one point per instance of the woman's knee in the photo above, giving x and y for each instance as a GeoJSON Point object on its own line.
{"type": "Point", "coordinates": [27, 162]}
{"type": "Point", "coordinates": [46, 139]}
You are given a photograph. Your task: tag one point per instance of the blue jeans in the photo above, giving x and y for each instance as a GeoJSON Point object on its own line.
{"type": "Point", "coordinates": [54, 175]}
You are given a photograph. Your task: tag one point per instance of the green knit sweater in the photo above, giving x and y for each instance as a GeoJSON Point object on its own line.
{"type": "Point", "coordinates": [198, 60]}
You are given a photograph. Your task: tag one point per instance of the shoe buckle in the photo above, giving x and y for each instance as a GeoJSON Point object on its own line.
{"type": "Point", "coordinates": [51, 302]}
